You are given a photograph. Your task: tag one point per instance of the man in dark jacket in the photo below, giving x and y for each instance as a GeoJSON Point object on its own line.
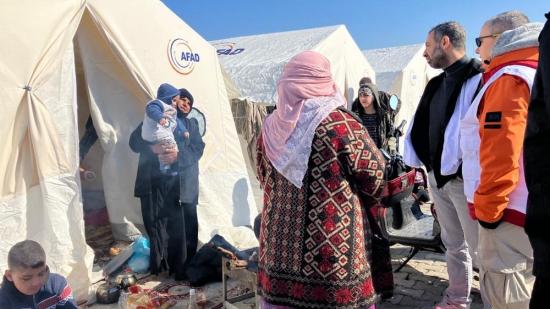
{"type": "Point", "coordinates": [168, 203]}
{"type": "Point", "coordinates": [536, 150]}
{"type": "Point", "coordinates": [445, 49]}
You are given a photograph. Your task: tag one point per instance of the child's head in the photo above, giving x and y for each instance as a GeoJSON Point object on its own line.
{"type": "Point", "coordinates": [168, 94]}
{"type": "Point", "coordinates": [175, 101]}
{"type": "Point", "coordinates": [27, 267]}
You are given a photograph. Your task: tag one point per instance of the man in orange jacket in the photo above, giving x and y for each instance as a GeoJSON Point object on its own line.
{"type": "Point", "coordinates": [508, 46]}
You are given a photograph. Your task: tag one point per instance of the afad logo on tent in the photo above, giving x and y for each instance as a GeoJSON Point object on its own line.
{"type": "Point", "coordinates": [227, 48]}
{"type": "Point", "coordinates": [181, 56]}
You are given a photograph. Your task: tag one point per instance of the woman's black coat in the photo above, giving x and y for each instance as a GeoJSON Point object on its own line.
{"type": "Point", "coordinates": [189, 154]}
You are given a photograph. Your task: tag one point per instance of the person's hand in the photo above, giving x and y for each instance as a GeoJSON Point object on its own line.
{"type": "Point", "coordinates": [157, 148]}
{"type": "Point", "coordinates": [163, 121]}
{"type": "Point", "coordinates": [169, 157]}
{"type": "Point", "coordinates": [161, 148]}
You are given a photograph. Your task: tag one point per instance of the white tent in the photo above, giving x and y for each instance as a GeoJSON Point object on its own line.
{"type": "Point", "coordinates": [64, 58]}
{"type": "Point", "coordinates": [402, 71]}
{"type": "Point", "coordinates": [255, 63]}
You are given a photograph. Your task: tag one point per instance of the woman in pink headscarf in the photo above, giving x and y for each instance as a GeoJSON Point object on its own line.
{"type": "Point", "coordinates": [314, 159]}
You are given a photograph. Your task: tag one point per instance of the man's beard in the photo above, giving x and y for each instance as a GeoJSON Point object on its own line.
{"type": "Point", "coordinates": [439, 59]}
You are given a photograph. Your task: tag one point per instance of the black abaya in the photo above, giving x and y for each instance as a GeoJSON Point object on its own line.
{"type": "Point", "coordinates": [164, 221]}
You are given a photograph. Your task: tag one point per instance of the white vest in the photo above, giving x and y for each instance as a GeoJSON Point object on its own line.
{"type": "Point", "coordinates": [470, 142]}
{"type": "Point", "coordinates": [451, 156]}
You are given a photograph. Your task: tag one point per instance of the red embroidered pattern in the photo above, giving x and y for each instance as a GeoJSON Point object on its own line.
{"type": "Point", "coordinates": [312, 240]}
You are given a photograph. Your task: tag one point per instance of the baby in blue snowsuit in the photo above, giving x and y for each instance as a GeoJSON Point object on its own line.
{"type": "Point", "coordinates": [160, 120]}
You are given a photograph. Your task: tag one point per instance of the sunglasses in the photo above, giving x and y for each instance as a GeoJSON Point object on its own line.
{"type": "Point", "coordinates": [479, 40]}
{"type": "Point", "coordinates": [365, 91]}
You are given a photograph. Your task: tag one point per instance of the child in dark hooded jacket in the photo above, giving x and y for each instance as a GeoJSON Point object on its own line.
{"type": "Point", "coordinates": [160, 120]}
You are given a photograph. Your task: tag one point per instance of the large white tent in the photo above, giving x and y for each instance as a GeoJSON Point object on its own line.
{"type": "Point", "coordinates": [403, 71]}
{"type": "Point", "coordinates": [253, 65]}
{"type": "Point", "coordinates": [65, 58]}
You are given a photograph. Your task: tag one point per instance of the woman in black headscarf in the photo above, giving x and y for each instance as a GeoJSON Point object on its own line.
{"type": "Point", "coordinates": [373, 108]}
{"type": "Point", "coordinates": [188, 160]}
{"type": "Point", "coordinates": [168, 202]}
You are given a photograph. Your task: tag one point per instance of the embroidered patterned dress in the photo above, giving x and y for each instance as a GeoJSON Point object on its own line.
{"type": "Point", "coordinates": [314, 239]}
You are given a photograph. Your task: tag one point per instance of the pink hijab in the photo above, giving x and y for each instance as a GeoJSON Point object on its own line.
{"type": "Point", "coordinates": [307, 94]}
{"type": "Point", "coordinates": [307, 75]}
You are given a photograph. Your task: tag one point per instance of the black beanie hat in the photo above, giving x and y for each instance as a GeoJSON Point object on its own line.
{"type": "Point", "coordinates": [365, 80]}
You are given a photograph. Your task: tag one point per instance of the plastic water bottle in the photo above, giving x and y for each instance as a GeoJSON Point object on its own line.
{"type": "Point", "coordinates": [192, 299]}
